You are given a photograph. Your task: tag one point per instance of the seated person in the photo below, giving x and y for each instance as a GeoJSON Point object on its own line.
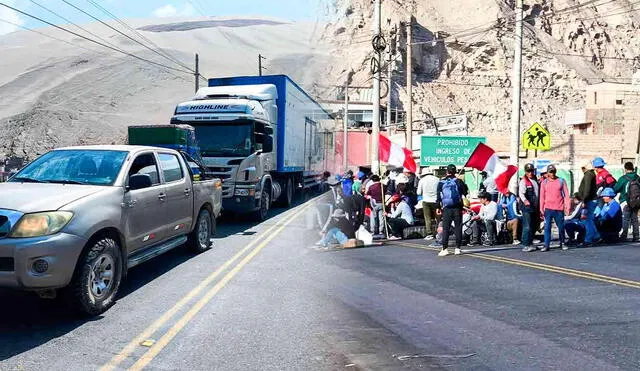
{"type": "Point", "coordinates": [485, 221]}
{"type": "Point", "coordinates": [508, 203]}
{"type": "Point", "coordinates": [338, 230]}
{"type": "Point", "coordinates": [573, 223]}
{"type": "Point", "coordinates": [609, 217]}
{"type": "Point", "coordinates": [401, 217]}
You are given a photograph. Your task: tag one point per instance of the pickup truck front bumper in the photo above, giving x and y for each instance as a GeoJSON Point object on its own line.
{"type": "Point", "coordinates": [20, 258]}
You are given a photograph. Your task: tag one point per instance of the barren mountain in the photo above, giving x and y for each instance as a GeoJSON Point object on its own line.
{"type": "Point", "coordinates": [68, 91]}
{"type": "Point", "coordinates": [464, 56]}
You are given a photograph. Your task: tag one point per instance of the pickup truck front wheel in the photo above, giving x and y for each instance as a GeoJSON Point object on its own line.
{"type": "Point", "coordinates": [97, 279]}
{"type": "Point", "coordinates": [200, 238]}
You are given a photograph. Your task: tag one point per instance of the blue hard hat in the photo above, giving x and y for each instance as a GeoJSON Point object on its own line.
{"type": "Point", "coordinates": [598, 162]}
{"type": "Point", "coordinates": [360, 175]}
{"type": "Point", "coordinates": [608, 192]}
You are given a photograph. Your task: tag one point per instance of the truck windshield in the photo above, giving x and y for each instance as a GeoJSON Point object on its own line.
{"type": "Point", "coordinates": [92, 167]}
{"type": "Point", "coordinates": [229, 139]}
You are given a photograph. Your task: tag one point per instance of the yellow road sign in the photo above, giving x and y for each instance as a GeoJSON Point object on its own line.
{"type": "Point", "coordinates": [536, 137]}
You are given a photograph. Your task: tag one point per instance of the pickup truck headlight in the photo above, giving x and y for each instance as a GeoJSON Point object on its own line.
{"type": "Point", "coordinates": [41, 224]}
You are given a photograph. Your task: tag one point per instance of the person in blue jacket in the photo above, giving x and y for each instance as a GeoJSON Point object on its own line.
{"type": "Point", "coordinates": [608, 217]}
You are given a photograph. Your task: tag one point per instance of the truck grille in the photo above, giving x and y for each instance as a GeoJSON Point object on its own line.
{"type": "Point", "coordinates": [6, 265]}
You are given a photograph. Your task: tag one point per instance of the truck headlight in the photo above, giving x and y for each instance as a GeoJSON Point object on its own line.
{"type": "Point", "coordinates": [242, 192]}
{"type": "Point", "coordinates": [41, 224]}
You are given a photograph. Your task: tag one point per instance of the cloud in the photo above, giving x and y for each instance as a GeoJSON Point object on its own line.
{"type": "Point", "coordinates": [171, 11]}
{"type": "Point", "coordinates": [10, 16]}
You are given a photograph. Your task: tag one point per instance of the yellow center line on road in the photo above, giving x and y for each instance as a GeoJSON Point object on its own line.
{"type": "Point", "coordinates": [157, 324]}
{"type": "Point", "coordinates": [187, 317]}
{"type": "Point", "coordinates": [544, 267]}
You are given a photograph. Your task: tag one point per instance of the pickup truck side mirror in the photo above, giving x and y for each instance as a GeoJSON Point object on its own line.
{"type": "Point", "coordinates": [139, 181]}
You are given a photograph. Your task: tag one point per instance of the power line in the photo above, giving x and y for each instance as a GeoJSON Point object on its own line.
{"type": "Point", "coordinates": [94, 41]}
{"type": "Point", "coordinates": [49, 36]}
{"type": "Point", "coordinates": [73, 23]}
{"type": "Point", "coordinates": [122, 33]}
{"type": "Point", "coordinates": [123, 23]}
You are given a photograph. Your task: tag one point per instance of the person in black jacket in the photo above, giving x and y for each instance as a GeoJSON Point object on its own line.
{"type": "Point", "coordinates": [339, 230]}
{"type": "Point", "coordinates": [587, 193]}
{"type": "Point", "coordinates": [449, 198]}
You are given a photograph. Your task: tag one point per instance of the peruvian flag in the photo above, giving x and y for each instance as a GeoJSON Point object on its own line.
{"type": "Point", "coordinates": [484, 158]}
{"type": "Point", "coordinates": [396, 155]}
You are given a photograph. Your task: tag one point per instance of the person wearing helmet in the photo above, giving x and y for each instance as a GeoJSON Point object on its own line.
{"type": "Point", "coordinates": [555, 203]}
{"type": "Point", "coordinates": [529, 195]}
{"type": "Point", "coordinates": [603, 177]}
{"type": "Point", "coordinates": [588, 194]}
{"type": "Point", "coordinates": [609, 216]}
{"type": "Point", "coordinates": [449, 199]}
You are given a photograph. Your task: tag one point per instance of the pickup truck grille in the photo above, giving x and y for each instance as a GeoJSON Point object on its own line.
{"type": "Point", "coordinates": [6, 265]}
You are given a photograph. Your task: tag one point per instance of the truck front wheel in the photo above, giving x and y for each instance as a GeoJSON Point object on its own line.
{"type": "Point", "coordinates": [265, 200]}
{"type": "Point", "coordinates": [97, 279]}
{"type": "Point", "coordinates": [199, 239]}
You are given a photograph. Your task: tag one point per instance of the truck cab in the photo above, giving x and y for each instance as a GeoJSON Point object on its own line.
{"type": "Point", "coordinates": [234, 129]}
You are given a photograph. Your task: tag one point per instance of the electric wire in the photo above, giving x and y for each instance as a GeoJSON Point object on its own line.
{"type": "Point", "coordinates": [93, 41]}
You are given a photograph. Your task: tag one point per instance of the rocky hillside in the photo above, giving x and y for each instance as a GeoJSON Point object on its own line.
{"type": "Point", "coordinates": [66, 91]}
{"type": "Point", "coordinates": [464, 59]}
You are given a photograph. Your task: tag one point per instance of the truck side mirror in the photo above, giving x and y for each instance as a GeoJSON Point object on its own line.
{"type": "Point", "coordinates": [267, 144]}
{"type": "Point", "coordinates": [139, 181]}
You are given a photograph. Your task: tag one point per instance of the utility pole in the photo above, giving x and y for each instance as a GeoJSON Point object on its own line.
{"type": "Point", "coordinates": [375, 127]}
{"type": "Point", "coordinates": [197, 73]}
{"type": "Point", "coordinates": [260, 68]}
{"type": "Point", "coordinates": [517, 87]}
{"type": "Point", "coordinates": [409, 113]}
{"type": "Point", "coordinates": [345, 128]}
{"type": "Point", "coordinates": [389, 74]}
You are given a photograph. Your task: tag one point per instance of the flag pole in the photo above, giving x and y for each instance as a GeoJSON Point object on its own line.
{"type": "Point", "coordinates": [384, 204]}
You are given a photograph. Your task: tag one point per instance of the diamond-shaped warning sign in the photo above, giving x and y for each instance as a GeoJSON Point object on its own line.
{"type": "Point", "coordinates": [536, 137]}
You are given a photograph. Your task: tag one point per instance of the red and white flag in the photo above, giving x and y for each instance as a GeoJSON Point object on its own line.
{"type": "Point", "coordinates": [396, 155]}
{"type": "Point", "coordinates": [484, 158]}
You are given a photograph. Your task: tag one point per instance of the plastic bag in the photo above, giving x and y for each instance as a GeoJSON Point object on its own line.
{"type": "Point", "coordinates": [364, 235]}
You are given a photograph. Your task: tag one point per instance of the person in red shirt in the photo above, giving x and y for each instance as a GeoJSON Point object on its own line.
{"type": "Point", "coordinates": [555, 202]}
{"type": "Point", "coordinates": [374, 195]}
{"type": "Point", "coordinates": [604, 179]}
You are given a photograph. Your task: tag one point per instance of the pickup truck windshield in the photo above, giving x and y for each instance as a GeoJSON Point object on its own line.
{"type": "Point", "coordinates": [92, 167]}
{"type": "Point", "coordinates": [231, 139]}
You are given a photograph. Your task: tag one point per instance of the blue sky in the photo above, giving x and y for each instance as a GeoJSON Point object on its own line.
{"type": "Point", "coordinates": [285, 9]}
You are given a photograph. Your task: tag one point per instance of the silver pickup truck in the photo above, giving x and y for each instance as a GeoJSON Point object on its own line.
{"type": "Point", "coordinates": [78, 218]}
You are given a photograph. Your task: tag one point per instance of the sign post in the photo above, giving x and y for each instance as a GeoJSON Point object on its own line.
{"type": "Point", "coordinates": [536, 137]}
{"type": "Point", "coordinates": [445, 150]}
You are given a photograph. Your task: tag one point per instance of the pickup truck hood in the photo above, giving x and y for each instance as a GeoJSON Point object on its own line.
{"type": "Point", "coordinates": [35, 197]}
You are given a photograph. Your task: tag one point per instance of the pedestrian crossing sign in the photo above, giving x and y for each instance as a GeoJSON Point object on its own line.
{"type": "Point", "coordinates": [536, 137]}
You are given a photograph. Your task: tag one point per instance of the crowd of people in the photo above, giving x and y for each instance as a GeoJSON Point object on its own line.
{"type": "Point", "coordinates": [603, 209]}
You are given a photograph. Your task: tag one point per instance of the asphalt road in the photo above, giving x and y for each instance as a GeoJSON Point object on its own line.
{"type": "Point", "coordinates": [264, 299]}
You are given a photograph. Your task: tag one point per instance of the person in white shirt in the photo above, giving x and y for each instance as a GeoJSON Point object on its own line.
{"type": "Point", "coordinates": [428, 189]}
{"type": "Point", "coordinates": [401, 217]}
{"type": "Point", "coordinates": [485, 220]}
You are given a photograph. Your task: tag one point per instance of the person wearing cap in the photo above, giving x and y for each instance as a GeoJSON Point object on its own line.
{"type": "Point", "coordinates": [555, 202]}
{"type": "Point", "coordinates": [625, 186]}
{"type": "Point", "coordinates": [338, 230]}
{"type": "Point", "coordinates": [529, 195]}
{"type": "Point", "coordinates": [588, 195]}
{"type": "Point", "coordinates": [428, 189]}
{"type": "Point", "coordinates": [449, 198]}
{"type": "Point", "coordinates": [609, 216]}
{"type": "Point", "coordinates": [357, 182]}
{"type": "Point", "coordinates": [401, 217]}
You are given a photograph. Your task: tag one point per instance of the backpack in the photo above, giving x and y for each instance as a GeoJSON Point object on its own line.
{"type": "Point", "coordinates": [633, 193]}
{"type": "Point", "coordinates": [347, 187]}
{"type": "Point", "coordinates": [450, 194]}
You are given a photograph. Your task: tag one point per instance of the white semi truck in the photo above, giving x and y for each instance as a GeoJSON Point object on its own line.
{"type": "Point", "coordinates": [262, 135]}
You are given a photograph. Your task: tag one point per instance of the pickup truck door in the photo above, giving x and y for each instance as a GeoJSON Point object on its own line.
{"type": "Point", "coordinates": [145, 209]}
{"type": "Point", "coordinates": [179, 204]}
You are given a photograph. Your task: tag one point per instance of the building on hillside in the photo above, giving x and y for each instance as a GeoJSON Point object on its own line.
{"type": "Point", "coordinates": [361, 108]}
